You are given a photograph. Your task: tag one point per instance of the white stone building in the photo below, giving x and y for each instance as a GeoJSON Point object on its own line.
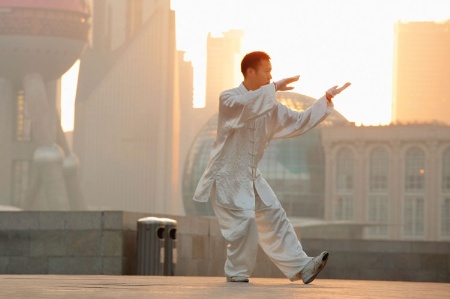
{"type": "Point", "coordinates": [395, 177]}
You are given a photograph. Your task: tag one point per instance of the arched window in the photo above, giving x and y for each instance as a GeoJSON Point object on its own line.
{"type": "Point", "coordinates": [378, 191]}
{"type": "Point", "coordinates": [344, 170]}
{"type": "Point", "coordinates": [414, 200]}
{"type": "Point", "coordinates": [415, 170]}
{"type": "Point", "coordinates": [378, 170]}
{"type": "Point", "coordinates": [344, 185]}
{"type": "Point", "coordinates": [445, 195]}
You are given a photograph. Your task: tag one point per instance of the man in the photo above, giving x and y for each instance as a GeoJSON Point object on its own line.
{"type": "Point", "coordinates": [247, 209]}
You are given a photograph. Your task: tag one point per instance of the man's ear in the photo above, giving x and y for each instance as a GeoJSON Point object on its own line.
{"type": "Point", "coordinates": [251, 71]}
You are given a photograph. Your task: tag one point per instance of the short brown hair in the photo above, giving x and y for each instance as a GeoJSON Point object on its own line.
{"type": "Point", "coordinates": [252, 60]}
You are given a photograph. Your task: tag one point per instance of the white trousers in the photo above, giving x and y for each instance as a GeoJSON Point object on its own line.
{"type": "Point", "coordinates": [266, 225]}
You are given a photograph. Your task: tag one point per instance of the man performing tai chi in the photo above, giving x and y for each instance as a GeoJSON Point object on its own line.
{"type": "Point", "coordinates": [246, 207]}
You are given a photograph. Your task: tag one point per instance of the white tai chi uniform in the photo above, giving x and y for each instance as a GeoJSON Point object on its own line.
{"type": "Point", "coordinates": [247, 209]}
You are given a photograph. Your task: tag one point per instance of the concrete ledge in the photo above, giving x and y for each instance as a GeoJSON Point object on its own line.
{"type": "Point", "coordinates": [104, 242]}
{"type": "Point", "coordinates": [47, 242]}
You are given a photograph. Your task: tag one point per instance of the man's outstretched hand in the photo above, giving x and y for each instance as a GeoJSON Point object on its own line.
{"type": "Point", "coordinates": [282, 85]}
{"type": "Point", "coordinates": [335, 90]}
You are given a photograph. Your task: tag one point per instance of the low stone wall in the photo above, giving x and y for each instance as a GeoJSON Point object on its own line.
{"type": "Point", "coordinates": [104, 242]}
{"type": "Point", "coordinates": [68, 242]}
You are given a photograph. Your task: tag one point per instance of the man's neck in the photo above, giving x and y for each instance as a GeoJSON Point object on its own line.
{"type": "Point", "coordinates": [249, 86]}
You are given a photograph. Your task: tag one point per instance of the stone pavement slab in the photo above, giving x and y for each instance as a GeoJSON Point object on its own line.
{"type": "Point", "coordinates": [173, 287]}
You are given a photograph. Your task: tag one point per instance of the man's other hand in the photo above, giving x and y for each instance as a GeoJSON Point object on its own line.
{"type": "Point", "coordinates": [282, 84]}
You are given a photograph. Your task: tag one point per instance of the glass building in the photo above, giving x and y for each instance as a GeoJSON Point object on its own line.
{"type": "Point", "coordinates": [294, 167]}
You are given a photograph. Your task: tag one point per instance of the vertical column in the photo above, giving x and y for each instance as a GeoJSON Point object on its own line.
{"type": "Point", "coordinates": [360, 192]}
{"type": "Point", "coordinates": [432, 192]}
{"type": "Point", "coordinates": [7, 123]}
{"type": "Point", "coordinates": [53, 90]}
{"type": "Point", "coordinates": [48, 157]}
{"type": "Point", "coordinates": [329, 180]}
{"type": "Point", "coordinates": [395, 192]}
{"type": "Point", "coordinates": [71, 161]}
{"type": "Point", "coordinates": [71, 171]}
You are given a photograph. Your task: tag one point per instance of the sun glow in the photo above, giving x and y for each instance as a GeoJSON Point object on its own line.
{"type": "Point", "coordinates": [69, 89]}
{"type": "Point", "coordinates": [327, 42]}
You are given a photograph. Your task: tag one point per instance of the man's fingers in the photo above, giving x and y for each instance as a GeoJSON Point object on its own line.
{"type": "Point", "coordinates": [344, 86]}
{"type": "Point", "coordinates": [292, 79]}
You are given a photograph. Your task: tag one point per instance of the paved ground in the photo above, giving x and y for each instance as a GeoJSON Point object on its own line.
{"type": "Point", "coordinates": [136, 287]}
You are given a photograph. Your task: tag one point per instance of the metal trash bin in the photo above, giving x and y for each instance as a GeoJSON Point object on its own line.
{"type": "Point", "coordinates": [150, 242]}
{"type": "Point", "coordinates": [156, 249]}
{"type": "Point", "coordinates": [170, 253]}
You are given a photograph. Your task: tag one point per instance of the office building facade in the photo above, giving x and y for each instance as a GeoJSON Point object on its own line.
{"type": "Point", "coordinates": [127, 117]}
{"type": "Point", "coordinates": [421, 72]}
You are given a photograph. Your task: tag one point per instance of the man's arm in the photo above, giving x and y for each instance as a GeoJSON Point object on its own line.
{"type": "Point", "coordinates": [292, 123]}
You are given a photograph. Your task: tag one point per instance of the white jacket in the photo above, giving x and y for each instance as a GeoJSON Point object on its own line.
{"type": "Point", "coordinates": [248, 121]}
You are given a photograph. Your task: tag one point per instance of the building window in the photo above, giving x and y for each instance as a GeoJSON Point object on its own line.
{"type": "Point", "coordinates": [445, 202]}
{"type": "Point", "coordinates": [23, 123]}
{"type": "Point", "coordinates": [343, 209]}
{"type": "Point", "coordinates": [413, 207]}
{"type": "Point", "coordinates": [344, 170]}
{"type": "Point", "coordinates": [415, 170]}
{"type": "Point", "coordinates": [378, 216]}
{"type": "Point", "coordinates": [20, 174]}
{"type": "Point", "coordinates": [378, 192]}
{"type": "Point", "coordinates": [445, 217]}
{"type": "Point", "coordinates": [446, 171]}
{"type": "Point", "coordinates": [413, 216]}
{"type": "Point", "coordinates": [378, 168]}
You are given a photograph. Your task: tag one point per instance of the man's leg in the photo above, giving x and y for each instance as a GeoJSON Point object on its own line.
{"type": "Point", "coordinates": [279, 241]}
{"type": "Point", "coordinates": [239, 229]}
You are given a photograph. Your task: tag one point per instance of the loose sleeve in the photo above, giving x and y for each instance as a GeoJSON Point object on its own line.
{"type": "Point", "coordinates": [289, 123]}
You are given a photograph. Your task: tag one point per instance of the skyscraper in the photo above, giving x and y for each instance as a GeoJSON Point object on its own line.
{"type": "Point", "coordinates": [222, 66]}
{"type": "Point", "coordinates": [421, 72]}
{"type": "Point", "coordinates": [127, 108]}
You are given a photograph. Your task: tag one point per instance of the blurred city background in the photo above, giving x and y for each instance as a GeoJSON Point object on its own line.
{"type": "Point", "coordinates": [112, 105]}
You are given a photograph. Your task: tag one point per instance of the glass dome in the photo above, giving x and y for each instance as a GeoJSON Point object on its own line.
{"type": "Point", "coordinates": [294, 167]}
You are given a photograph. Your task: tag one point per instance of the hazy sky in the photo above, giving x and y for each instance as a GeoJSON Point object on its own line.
{"type": "Point", "coordinates": [326, 42]}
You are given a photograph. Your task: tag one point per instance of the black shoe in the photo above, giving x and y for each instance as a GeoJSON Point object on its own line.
{"type": "Point", "coordinates": [237, 279]}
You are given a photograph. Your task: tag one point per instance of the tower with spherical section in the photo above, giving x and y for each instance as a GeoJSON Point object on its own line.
{"type": "Point", "coordinates": [39, 42]}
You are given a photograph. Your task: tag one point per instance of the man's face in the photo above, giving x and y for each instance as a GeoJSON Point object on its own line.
{"type": "Point", "coordinates": [262, 75]}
